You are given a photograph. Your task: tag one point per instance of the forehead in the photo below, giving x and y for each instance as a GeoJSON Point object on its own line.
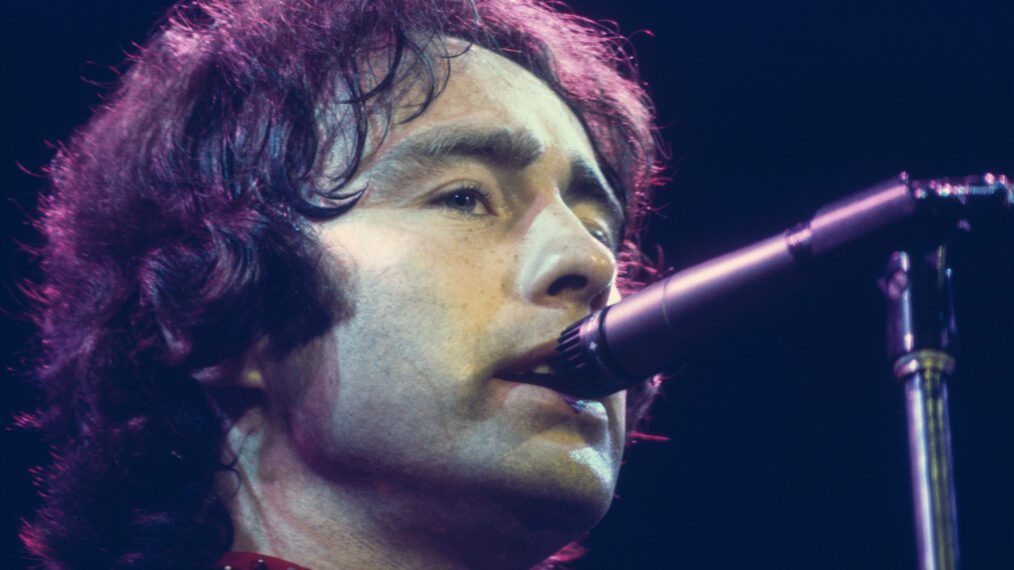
{"type": "Point", "coordinates": [485, 85]}
{"type": "Point", "coordinates": [493, 108]}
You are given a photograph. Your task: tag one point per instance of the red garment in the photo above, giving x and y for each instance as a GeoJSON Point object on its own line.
{"type": "Point", "coordinates": [254, 561]}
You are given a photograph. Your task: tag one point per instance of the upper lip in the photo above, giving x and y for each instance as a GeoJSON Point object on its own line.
{"type": "Point", "coordinates": [522, 369]}
{"type": "Point", "coordinates": [526, 360]}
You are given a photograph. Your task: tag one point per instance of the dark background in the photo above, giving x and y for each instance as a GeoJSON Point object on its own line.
{"type": "Point", "coordinates": [787, 438]}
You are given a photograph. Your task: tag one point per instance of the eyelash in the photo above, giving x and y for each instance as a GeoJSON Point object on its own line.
{"type": "Point", "coordinates": [483, 197]}
{"type": "Point", "coordinates": [485, 200]}
{"type": "Point", "coordinates": [602, 236]}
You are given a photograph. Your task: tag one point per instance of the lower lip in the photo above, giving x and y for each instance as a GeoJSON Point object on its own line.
{"type": "Point", "coordinates": [593, 407]}
{"type": "Point", "coordinates": [583, 408]}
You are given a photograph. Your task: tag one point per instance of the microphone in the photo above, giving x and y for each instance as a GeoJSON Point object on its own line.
{"type": "Point", "coordinates": [656, 329]}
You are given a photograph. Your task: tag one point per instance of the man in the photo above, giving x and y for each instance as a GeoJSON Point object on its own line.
{"type": "Point", "coordinates": [300, 271]}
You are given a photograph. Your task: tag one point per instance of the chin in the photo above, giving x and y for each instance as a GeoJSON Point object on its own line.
{"type": "Point", "coordinates": [570, 494]}
{"type": "Point", "coordinates": [554, 521]}
{"type": "Point", "coordinates": [542, 522]}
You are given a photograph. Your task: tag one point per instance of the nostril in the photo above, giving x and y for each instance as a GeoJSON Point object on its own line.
{"type": "Point", "coordinates": [567, 282]}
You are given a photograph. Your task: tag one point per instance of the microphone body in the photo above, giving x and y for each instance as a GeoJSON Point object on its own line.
{"type": "Point", "coordinates": [655, 329]}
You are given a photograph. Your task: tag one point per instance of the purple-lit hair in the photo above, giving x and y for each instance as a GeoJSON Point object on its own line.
{"type": "Point", "coordinates": [173, 233]}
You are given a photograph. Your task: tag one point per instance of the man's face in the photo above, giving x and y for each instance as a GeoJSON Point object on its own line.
{"type": "Point", "coordinates": [486, 227]}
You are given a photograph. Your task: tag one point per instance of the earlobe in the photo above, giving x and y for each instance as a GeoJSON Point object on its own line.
{"type": "Point", "coordinates": [237, 387]}
{"type": "Point", "coordinates": [247, 371]}
{"type": "Point", "coordinates": [251, 374]}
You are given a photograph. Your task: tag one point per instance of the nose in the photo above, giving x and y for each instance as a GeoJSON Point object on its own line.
{"type": "Point", "coordinates": [563, 264]}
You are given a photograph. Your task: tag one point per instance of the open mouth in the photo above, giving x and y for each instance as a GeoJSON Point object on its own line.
{"type": "Point", "coordinates": [543, 375]}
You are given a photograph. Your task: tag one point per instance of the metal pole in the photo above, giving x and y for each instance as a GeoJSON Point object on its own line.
{"type": "Point", "coordinates": [929, 440]}
{"type": "Point", "coordinates": [921, 337]}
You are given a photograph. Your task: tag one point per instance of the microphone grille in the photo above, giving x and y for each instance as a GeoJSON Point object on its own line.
{"type": "Point", "coordinates": [577, 360]}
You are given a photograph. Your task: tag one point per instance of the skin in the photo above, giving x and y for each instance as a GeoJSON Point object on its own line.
{"type": "Point", "coordinates": [398, 439]}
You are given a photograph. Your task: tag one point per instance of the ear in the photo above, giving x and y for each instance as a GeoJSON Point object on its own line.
{"type": "Point", "coordinates": [247, 371]}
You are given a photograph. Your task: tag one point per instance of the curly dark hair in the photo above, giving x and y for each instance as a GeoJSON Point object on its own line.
{"type": "Point", "coordinates": [173, 233]}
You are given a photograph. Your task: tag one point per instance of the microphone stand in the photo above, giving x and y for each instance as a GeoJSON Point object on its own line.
{"type": "Point", "coordinates": [655, 329]}
{"type": "Point", "coordinates": [921, 338]}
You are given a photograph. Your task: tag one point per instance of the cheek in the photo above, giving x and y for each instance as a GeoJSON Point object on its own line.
{"type": "Point", "coordinates": [367, 394]}
{"type": "Point", "coordinates": [382, 249]}
{"type": "Point", "coordinates": [422, 271]}
{"type": "Point", "coordinates": [421, 303]}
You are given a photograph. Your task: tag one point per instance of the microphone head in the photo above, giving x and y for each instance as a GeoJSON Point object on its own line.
{"type": "Point", "coordinates": [582, 363]}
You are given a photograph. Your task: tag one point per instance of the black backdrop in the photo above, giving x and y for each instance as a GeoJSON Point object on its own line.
{"type": "Point", "coordinates": [787, 438]}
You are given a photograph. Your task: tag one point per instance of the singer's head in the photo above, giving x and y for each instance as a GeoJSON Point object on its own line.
{"type": "Point", "coordinates": [297, 270]}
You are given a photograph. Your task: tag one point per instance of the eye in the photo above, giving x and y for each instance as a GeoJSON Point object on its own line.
{"type": "Point", "coordinates": [603, 236]}
{"type": "Point", "coordinates": [468, 200]}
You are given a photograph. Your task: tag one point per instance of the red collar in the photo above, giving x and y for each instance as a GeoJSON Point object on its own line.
{"type": "Point", "coordinates": [254, 561]}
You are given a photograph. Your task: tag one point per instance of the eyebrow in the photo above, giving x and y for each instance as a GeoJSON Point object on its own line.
{"type": "Point", "coordinates": [504, 147]}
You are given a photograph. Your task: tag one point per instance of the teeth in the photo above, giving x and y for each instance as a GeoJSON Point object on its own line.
{"type": "Point", "coordinates": [542, 369]}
